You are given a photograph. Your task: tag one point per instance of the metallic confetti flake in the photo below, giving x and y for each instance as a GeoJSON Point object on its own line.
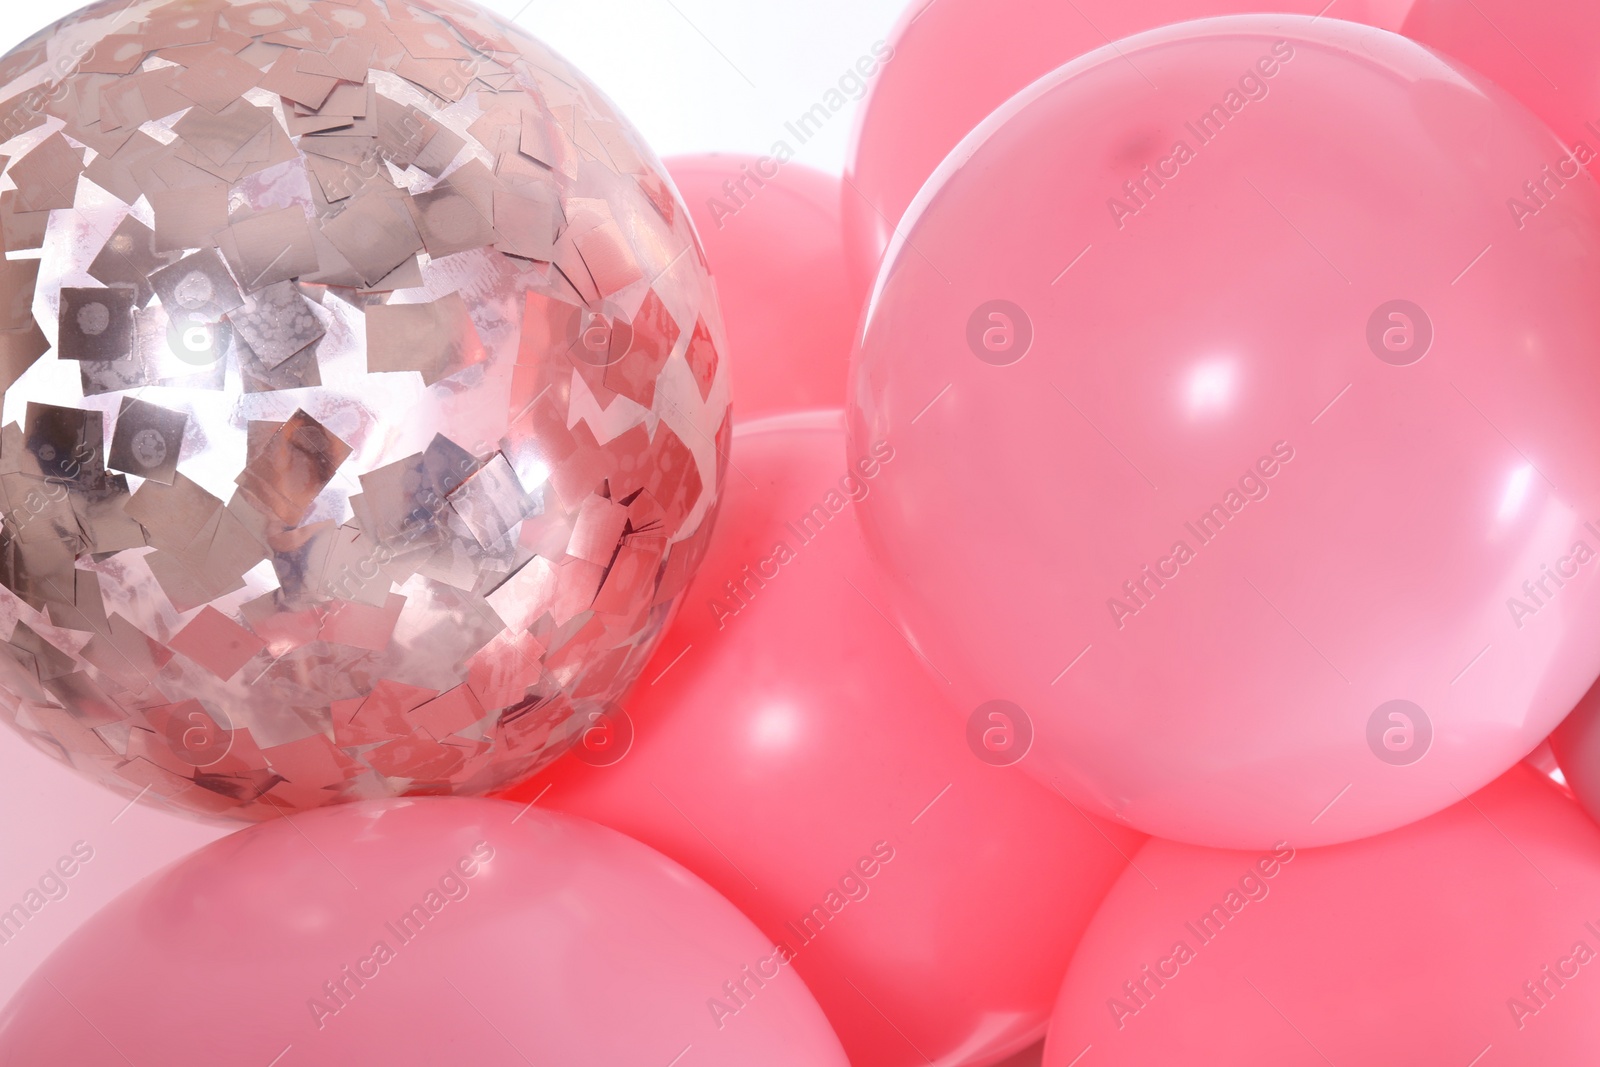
{"type": "Point", "coordinates": [271, 247]}
{"type": "Point", "coordinates": [276, 322]}
{"type": "Point", "coordinates": [199, 284]}
{"type": "Point", "coordinates": [128, 258]}
{"type": "Point", "coordinates": [437, 338]}
{"type": "Point", "coordinates": [63, 444]}
{"type": "Point", "coordinates": [187, 215]}
{"type": "Point", "coordinates": [382, 423]}
{"type": "Point", "coordinates": [96, 324]}
{"type": "Point", "coordinates": [146, 440]}
{"type": "Point", "coordinates": [374, 232]}
{"type": "Point", "coordinates": [18, 279]}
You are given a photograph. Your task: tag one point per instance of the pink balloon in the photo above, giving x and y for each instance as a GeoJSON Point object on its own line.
{"type": "Point", "coordinates": [774, 241]}
{"type": "Point", "coordinates": [788, 749]}
{"type": "Point", "coordinates": [1543, 53]}
{"type": "Point", "coordinates": [1033, 1056]}
{"type": "Point", "coordinates": [1466, 939]}
{"type": "Point", "coordinates": [1258, 466]}
{"type": "Point", "coordinates": [1576, 748]}
{"type": "Point", "coordinates": [955, 61]}
{"type": "Point", "coordinates": [426, 932]}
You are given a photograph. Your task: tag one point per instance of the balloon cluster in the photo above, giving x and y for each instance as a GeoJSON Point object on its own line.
{"type": "Point", "coordinates": [1164, 518]}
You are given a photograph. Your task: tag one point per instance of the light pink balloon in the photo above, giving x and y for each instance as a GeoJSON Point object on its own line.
{"type": "Point", "coordinates": [955, 61]}
{"type": "Point", "coordinates": [775, 244]}
{"type": "Point", "coordinates": [1262, 478]}
{"type": "Point", "coordinates": [1471, 938]}
{"type": "Point", "coordinates": [413, 932]}
{"type": "Point", "coordinates": [1544, 53]}
{"type": "Point", "coordinates": [788, 748]}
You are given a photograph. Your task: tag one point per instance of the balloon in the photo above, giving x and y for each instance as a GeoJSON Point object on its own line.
{"type": "Point", "coordinates": [776, 248]}
{"type": "Point", "coordinates": [1261, 479]}
{"type": "Point", "coordinates": [1464, 938]}
{"type": "Point", "coordinates": [1576, 746]}
{"type": "Point", "coordinates": [955, 61]}
{"type": "Point", "coordinates": [1544, 54]}
{"type": "Point", "coordinates": [428, 931]}
{"type": "Point", "coordinates": [375, 485]}
{"type": "Point", "coordinates": [1028, 1057]}
{"type": "Point", "coordinates": [787, 748]}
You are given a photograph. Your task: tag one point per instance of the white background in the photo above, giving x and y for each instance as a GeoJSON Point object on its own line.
{"type": "Point", "coordinates": [694, 76]}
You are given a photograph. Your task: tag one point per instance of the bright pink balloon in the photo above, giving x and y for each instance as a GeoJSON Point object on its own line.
{"type": "Point", "coordinates": [1547, 54]}
{"type": "Point", "coordinates": [955, 61]}
{"type": "Point", "coordinates": [413, 932]}
{"type": "Point", "coordinates": [1466, 939]}
{"type": "Point", "coordinates": [789, 750]}
{"type": "Point", "coordinates": [772, 235]}
{"type": "Point", "coordinates": [1033, 1056]}
{"type": "Point", "coordinates": [1257, 465]}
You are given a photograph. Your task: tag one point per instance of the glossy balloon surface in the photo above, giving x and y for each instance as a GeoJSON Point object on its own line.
{"type": "Point", "coordinates": [414, 932]}
{"type": "Point", "coordinates": [1253, 455]}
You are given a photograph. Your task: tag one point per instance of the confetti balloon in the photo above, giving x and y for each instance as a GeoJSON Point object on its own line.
{"type": "Point", "coordinates": [1469, 938]}
{"type": "Point", "coordinates": [1544, 54]}
{"type": "Point", "coordinates": [955, 61]}
{"type": "Point", "coordinates": [415, 933]}
{"type": "Point", "coordinates": [776, 247]}
{"type": "Point", "coordinates": [1254, 457]}
{"type": "Point", "coordinates": [362, 400]}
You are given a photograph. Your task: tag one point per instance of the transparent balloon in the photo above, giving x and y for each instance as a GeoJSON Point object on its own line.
{"type": "Point", "coordinates": [362, 399]}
